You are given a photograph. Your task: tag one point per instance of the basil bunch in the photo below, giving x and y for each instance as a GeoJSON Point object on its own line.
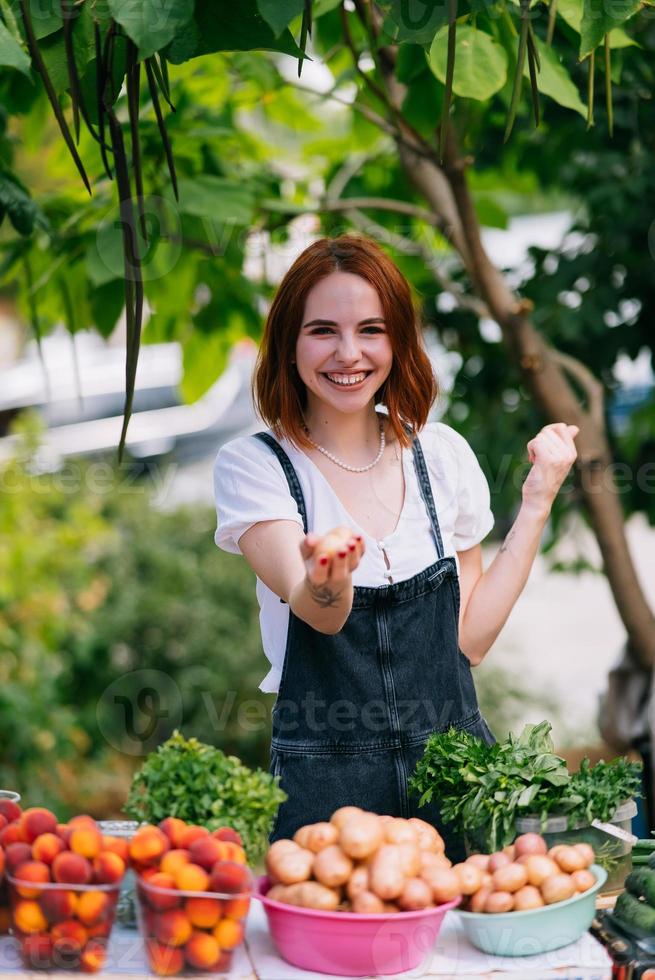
{"type": "Point", "coordinates": [482, 789]}
{"type": "Point", "coordinates": [200, 784]}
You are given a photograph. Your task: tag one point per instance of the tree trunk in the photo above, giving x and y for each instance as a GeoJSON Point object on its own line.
{"type": "Point", "coordinates": [542, 370]}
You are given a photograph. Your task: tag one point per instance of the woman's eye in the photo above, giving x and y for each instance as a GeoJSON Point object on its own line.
{"type": "Point", "coordinates": [321, 330]}
{"type": "Point", "coordinates": [374, 329]}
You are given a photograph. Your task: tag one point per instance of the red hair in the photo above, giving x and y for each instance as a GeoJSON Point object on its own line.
{"type": "Point", "coordinates": [279, 392]}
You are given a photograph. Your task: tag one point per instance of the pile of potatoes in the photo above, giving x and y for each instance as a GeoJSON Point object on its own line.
{"type": "Point", "coordinates": [527, 875]}
{"type": "Point", "coordinates": [362, 862]}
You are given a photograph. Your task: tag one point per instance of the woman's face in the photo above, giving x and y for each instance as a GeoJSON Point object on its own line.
{"type": "Point", "coordinates": [343, 351]}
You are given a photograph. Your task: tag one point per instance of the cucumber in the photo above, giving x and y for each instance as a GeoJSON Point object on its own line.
{"type": "Point", "coordinates": [641, 883]}
{"type": "Point", "coordinates": [634, 917]}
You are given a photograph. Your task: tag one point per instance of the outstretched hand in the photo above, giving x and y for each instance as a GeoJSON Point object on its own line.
{"type": "Point", "coordinates": [332, 557]}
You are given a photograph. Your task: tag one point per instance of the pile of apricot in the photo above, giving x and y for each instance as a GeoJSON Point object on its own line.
{"type": "Point", "coordinates": [194, 892]}
{"type": "Point", "coordinates": [64, 882]}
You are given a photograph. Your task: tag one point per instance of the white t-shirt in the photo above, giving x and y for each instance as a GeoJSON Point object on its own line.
{"type": "Point", "coordinates": [250, 486]}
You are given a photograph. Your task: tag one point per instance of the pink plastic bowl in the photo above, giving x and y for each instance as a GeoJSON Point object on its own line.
{"type": "Point", "coordinates": [350, 944]}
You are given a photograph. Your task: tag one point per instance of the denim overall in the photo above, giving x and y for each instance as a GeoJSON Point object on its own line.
{"type": "Point", "coordinates": [354, 709]}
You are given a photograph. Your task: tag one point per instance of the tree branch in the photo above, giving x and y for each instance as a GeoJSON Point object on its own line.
{"type": "Point", "coordinates": [591, 386]}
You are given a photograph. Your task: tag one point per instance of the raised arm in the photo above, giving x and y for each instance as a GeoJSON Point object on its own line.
{"type": "Point", "coordinates": [312, 574]}
{"type": "Point", "coordinates": [488, 597]}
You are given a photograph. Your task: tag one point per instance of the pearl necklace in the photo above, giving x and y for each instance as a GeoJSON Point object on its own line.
{"type": "Point", "coordinates": [347, 466]}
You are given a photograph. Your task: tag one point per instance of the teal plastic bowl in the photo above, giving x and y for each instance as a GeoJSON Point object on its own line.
{"type": "Point", "coordinates": [536, 930]}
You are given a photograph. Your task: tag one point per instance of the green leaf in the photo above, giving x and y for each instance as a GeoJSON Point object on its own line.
{"type": "Point", "coordinates": [554, 80]}
{"type": "Point", "coordinates": [571, 13]}
{"type": "Point", "coordinates": [235, 27]}
{"type": "Point", "coordinates": [278, 14]}
{"type": "Point", "coordinates": [46, 17]}
{"type": "Point", "coordinates": [151, 24]}
{"type": "Point", "coordinates": [599, 18]}
{"type": "Point", "coordinates": [216, 198]}
{"type": "Point", "coordinates": [106, 303]}
{"type": "Point", "coordinates": [417, 20]}
{"type": "Point", "coordinates": [18, 205]}
{"type": "Point", "coordinates": [11, 53]}
{"type": "Point", "coordinates": [480, 63]}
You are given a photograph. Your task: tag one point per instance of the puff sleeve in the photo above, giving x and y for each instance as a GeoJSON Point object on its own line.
{"type": "Point", "coordinates": [249, 486]}
{"type": "Point", "coordinates": [474, 517]}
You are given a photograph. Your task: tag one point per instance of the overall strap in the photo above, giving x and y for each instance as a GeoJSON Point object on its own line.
{"type": "Point", "coordinates": [426, 493]}
{"type": "Point", "coordinates": [289, 472]}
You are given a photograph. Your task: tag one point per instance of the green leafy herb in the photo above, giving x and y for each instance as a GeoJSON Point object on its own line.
{"type": "Point", "coordinates": [483, 789]}
{"type": "Point", "coordinates": [200, 784]}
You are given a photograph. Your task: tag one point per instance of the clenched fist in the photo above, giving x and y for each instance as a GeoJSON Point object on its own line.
{"type": "Point", "coordinates": [552, 453]}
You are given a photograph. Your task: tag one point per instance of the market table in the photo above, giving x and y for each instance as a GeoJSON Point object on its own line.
{"type": "Point", "coordinates": [452, 956]}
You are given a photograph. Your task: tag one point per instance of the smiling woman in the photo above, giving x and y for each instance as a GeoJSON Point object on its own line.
{"type": "Point", "coordinates": [363, 526]}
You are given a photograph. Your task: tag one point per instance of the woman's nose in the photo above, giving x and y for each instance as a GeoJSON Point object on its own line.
{"type": "Point", "coordinates": [348, 349]}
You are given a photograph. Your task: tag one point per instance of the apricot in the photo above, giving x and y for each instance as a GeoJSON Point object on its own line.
{"type": "Point", "coordinates": [236, 908]}
{"type": "Point", "coordinates": [11, 834]}
{"type": "Point", "coordinates": [94, 956]}
{"type": "Point", "coordinates": [190, 833]}
{"type": "Point", "coordinates": [86, 840]}
{"type": "Point", "coordinates": [206, 851]}
{"type": "Point", "coordinates": [3, 821]}
{"type": "Point", "coordinates": [66, 953]}
{"type": "Point", "coordinates": [226, 833]}
{"type": "Point", "coordinates": [165, 961]}
{"type": "Point", "coordinates": [92, 907]}
{"type": "Point", "coordinates": [203, 913]}
{"type": "Point", "coordinates": [9, 810]}
{"type": "Point", "coordinates": [117, 845]}
{"type": "Point", "coordinates": [46, 847]}
{"type": "Point", "coordinates": [28, 916]}
{"type": "Point", "coordinates": [173, 827]}
{"type": "Point", "coordinates": [234, 852]}
{"type": "Point", "coordinates": [172, 928]}
{"type": "Point", "coordinates": [17, 854]}
{"type": "Point", "coordinates": [36, 950]}
{"type": "Point", "coordinates": [191, 878]}
{"type": "Point", "coordinates": [108, 868]}
{"type": "Point", "coordinates": [71, 869]}
{"type": "Point", "coordinates": [229, 877]}
{"type": "Point", "coordinates": [172, 860]}
{"type": "Point", "coordinates": [148, 845]}
{"type": "Point", "coordinates": [36, 820]}
{"type": "Point", "coordinates": [202, 951]}
{"type": "Point", "coordinates": [58, 904]}
{"type": "Point", "coordinates": [228, 933]}
{"type": "Point", "coordinates": [82, 820]}
{"type": "Point", "coordinates": [70, 931]}
{"type": "Point", "coordinates": [31, 871]}
{"type": "Point", "coordinates": [161, 900]}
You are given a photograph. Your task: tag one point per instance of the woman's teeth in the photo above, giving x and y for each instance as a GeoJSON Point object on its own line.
{"type": "Point", "coordinates": [346, 379]}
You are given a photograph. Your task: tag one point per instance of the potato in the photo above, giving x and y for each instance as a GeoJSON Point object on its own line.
{"type": "Point", "coordinates": [470, 878]}
{"type": "Point", "coordinates": [277, 893]}
{"type": "Point", "coordinates": [361, 835]}
{"type": "Point", "coordinates": [444, 883]}
{"type": "Point", "coordinates": [499, 902]}
{"type": "Point", "coordinates": [430, 860]}
{"type": "Point", "coordinates": [553, 851]}
{"type": "Point", "coordinates": [528, 897]}
{"type": "Point", "coordinates": [400, 831]}
{"type": "Point", "coordinates": [583, 879]}
{"type": "Point", "coordinates": [510, 850]}
{"type": "Point", "coordinates": [429, 838]}
{"type": "Point", "coordinates": [416, 894]}
{"type": "Point", "coordinates": [301, 836]}
{"type": "Point", "coordinates": [587, 852]}
{"type": "Point", "coordinates": [358, 882]}
{"type": "Point", "coordinates": [312, 895]}
{"type": "Point", "coordinates": [478, 901]}
{"type": "Point", "coordinates": [289, 864]}
{"type": "Point", "coordinates": [390, 908]}
{"type": "Point", "coordinates": [386, 875]}
{"type": "Point", "coordinates": [321, 835]}
{"type": "Point", "coordinates": [510, 878]}
{"type": "Point", "coordinates": [498, 860]}
{"type": "Point", "coordinates": [530, 844]}
{"type": "Point", "coordinates": [540, 867]}
{"type": "Point", "coordinates": [557, 888]}
{"type": "Point", "coordinates": [410, 859]}
{"type": "Point", "coordinates": [340, 817]}
{"type": "Point", "coordinates": [570, 859]}
{"type": "Point", "coordinates": [481, 861]}
{"type": "Point", "coordinates": [366, 902]}
{"type": "Point", "coordinates": [332, 867]}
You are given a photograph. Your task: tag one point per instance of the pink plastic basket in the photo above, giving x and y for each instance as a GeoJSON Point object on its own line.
{"type": "Point", "coordinates": [349, 944]}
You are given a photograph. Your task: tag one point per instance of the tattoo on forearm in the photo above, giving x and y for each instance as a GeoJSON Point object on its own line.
{"type": "Point", "coordinates": [324, 595]}
{"type": "Point", "coordinates": [504, 546]}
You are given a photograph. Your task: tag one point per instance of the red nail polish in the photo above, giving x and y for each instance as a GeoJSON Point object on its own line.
{"type": "Point", "coordinates": [358, 537]}
{"type": "Point", "coordinates": [351, 547]}
{"type": "Point", "coordinates": [342, 554]}
{"type": "Point", "coordinates": [323, 560]}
